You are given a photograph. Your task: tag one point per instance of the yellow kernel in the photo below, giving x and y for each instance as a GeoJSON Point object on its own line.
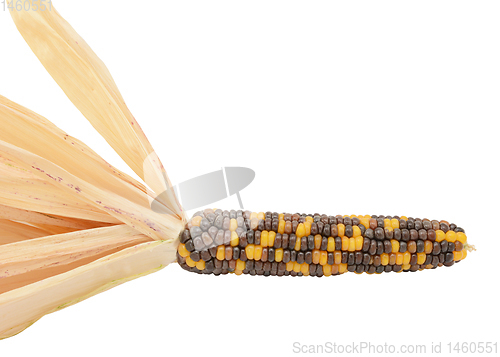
{"type": "Point", "coordinates": [394, 223]}
{"type": "Point", "coordinates": [327, 270]}
{"type": "Point", "coordinates": [317, 241]}
{"type": "Point", "coordinates": [307, 227]}
{"type": "Point", "coordinates": [461, 237]}
{"type": "Point", "coordinates": [404, 217]}
{"type": "Point", "coordinates": [196, 221]}
{"type": "Point", "coordinates": [304, 268]}
{"type": "Point", "coordinates": [238, 272]}
{"type": "Point", "coordinates": [387, 223]}
{"type": "Point", "coordinates": [359, 242]}
{"type": "Point", "coordinates": [296, 267]}
{"type": "Point", "coordinates": [301, 231]}
{"type": "Point", "coordinates": [440, 236]}
{"type": "Point", "coordinates": [406, 267]}
{"type": "Point", "coordinates": [249, 250]}
{"type": "Point", "coordinates": [451, 236]}
{"type": "Point", "coordinates": [345, 243]}
{"type": "Point", "coordinates": [352, 245]}
{"type": "Point", "coordinates": [399, 258]}
{"type": "Point", "coordinates": [309, 219]}
{"type": "Point", "coordinates": [406, 258]}
{"type": "Point", "coordinates": [190, 262]}
{"type": "Point", "coordinates": [281, 227]}
{"type": "Point", "coordinates": [200, 264]}
{"type": "Point", "coordinates": [257, 254]}
{"type": "Point", "coordinates": [278, 255]}
{"type": "Point", "coordinates": [342, 268]}
{"type": "Point", "coordinates": [233, 224]}
{"type": "Point", "coordinates": [464, 253]}
{"type": "Point", "coordinates": [297, 244]}
{"type": "Point", "coordinates": [281, 216]}
{"type": "Point", "coordinates": [335, 269]}
{"type": "Point", "coordinates": [261, 215]}
{"type": "Point", "coordinates": [395, 245]}
{"type": "Point", "coordinates": [221, 252]}
{"type": "Point", "coordinates": [264, 238]}
{"type": "Point", "coordinates": [341, 229]}
{"type": "Point", "coordinates": [323, 257]}
{"type": "Point", "coordinates": [316, 256]}
{"type": "Point", "coordinates": [384, 258]}
{"type": "Point", "coordinates": [365, 222]}
{"type": "Point", "coordinates": [235, 240]}
{"type": "Point", "coordinates": [240, 265]}
{"type": "Point", "coordinates": [183, 252]}
{"type": "Point", "coordinates": [356, 232]}
{"type": "Point", "coordinates": [331, 244]}
{"type": "Point", "coordinates": [272, 236]}
{"type": "Point", "coordinates": [428, 247]}
{"type": "Point", "coordinates": [253, 215]}
{"type": "Point", "coordinates": [457, 255]}
{"type": "Point", "coordinates": [367, 216]}
{"type": "Point", "coordinates": [421, 258]}
{"type": "Point", "coordinates": [289, 266]}
{"type": "Point", "coordinates": [337, 257]}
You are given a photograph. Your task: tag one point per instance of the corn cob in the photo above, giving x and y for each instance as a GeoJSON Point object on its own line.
{"type": "Point", "coordinates": [243, 242]}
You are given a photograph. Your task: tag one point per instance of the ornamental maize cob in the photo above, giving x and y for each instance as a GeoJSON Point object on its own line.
{"type": "Point", "coordinates": [244, 242]}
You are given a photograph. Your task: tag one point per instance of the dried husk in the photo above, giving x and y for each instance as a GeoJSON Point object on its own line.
{"type": "Point", "coordinates": [71, 224]}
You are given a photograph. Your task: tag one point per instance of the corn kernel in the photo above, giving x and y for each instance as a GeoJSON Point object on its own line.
{"type": "Point", "coordinates": [281, 227]}
{"type": "Point", "coordinates": [356, 232]}
{"type": "Point", "coordinates": [451, 236]}
{"type": "Point", "coordinates": [235, 240]}
{"type": "Point", "coordinates": [190, 262]}
{"type": "Point", "coordinates": [200, 265]}
{"type": "Point", "coordinates": [196, 221]}
{"type": "Point", "coordinates": [257, 254]}
{"type": "Point", "coordinates": [352, 245]}
{"type": "Point", "coordinates": [359, 242]}
{"type": "Point", "coordinates": [240, 265]}
{"type": "Point", "coordinates": [394, 223]}
{"type": "Point", "coordinates": [307, 227]}
{"type": "Point", "coordinates": [395, 245]}
{"type": "Point", "coordinates": [317, 241]}
{"type": "Point", "coordinates": [296, 267]}
{"type": "Point", "coordinates": [384, 258]}
{"type": "Point", "coordinates": [461, 237]}
{"type": "Point", "coordinates": [323, 257]}
{"type": "Point", "coordinates": [300, 231]}
{"type": "Point", "coordinates": [249, 250]}
{"type": "Point", "coordinates": [399, 258]}
{"type": "Point", "coordinates": [221, 255]}
{"type": "Point", "coordinates": [341, 229]}
{"type": "Point", "coordinates": [278, 255]}
{"type": "Point", "coordinates": [421, 258]}
{"type": "Point", "coordinates": [289, 266]}
{"type": "Point", "coordinates": [406, 258]}
{"type": "Point", "coordinates": [316, 256]}
{"type": "Point", "coordinates": [331, 244]}
{"type": "Point", "coordinates": [345, 243]}
{"type": "Point", "coordinates": [337, 257]}
{"type": "Point", "coordinates": [440, 236]}
{"type": "Point", "coordinates": [327, 270]}
{"type": "Point", "coordinates": [304, 268]}
{"type": "Point", "coordinates": [183, 252]}
{"type": "Point", "coordinates": [342, 268]}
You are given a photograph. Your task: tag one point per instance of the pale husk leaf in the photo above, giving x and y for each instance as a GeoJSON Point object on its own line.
{"type": "Point", "coordinates": [88, 84]}
{"type": "Point", "coordinates": [21, 307]}
{"type": "Point", "coordinates": [155, 225]}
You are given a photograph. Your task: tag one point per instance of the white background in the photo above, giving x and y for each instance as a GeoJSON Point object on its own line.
{"type": "Point", "coordinates": [340, 107]}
